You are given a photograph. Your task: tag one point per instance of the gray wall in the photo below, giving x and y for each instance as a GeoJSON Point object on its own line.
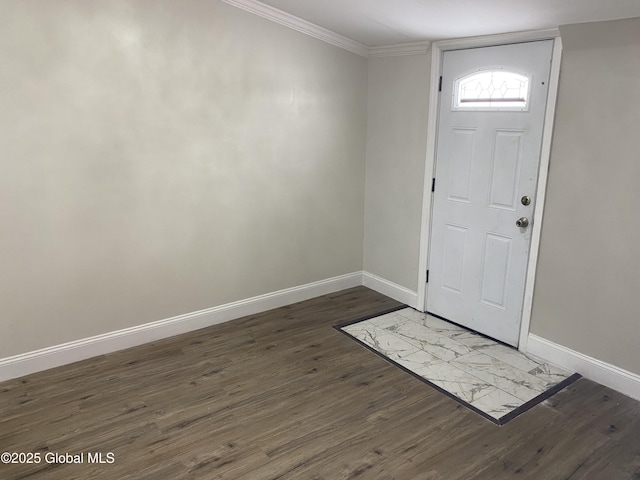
{"type": "Point", "coordinates": [587, 294]}
{"type": "Point", "coordinates": [162, 157]}
{"type": "Point", "coordinates": [396, 148]}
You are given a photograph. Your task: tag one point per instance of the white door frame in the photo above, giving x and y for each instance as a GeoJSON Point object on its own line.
{"type": "Point", "coordinates": [437, 51]}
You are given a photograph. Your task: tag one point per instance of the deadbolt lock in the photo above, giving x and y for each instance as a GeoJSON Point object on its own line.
{"type": "Point", "coordinates": [522, 222]}
{"type": "Point", "coordinates": [526, 200]}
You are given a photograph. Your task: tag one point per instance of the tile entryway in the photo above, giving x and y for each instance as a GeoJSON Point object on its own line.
{"type": "Point", "coordinates": [497, 381]}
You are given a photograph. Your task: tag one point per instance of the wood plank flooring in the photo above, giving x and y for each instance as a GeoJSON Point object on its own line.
{"type": "Point", "coordinates": [282, 395]}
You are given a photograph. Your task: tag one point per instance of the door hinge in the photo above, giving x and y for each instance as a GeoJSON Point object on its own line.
{"type": "Point", "coordinates": [427, 276]}
{"type": "Point", "coordinates": [433, 184]}
{"type": "Point", "coordinates": [440, 84]}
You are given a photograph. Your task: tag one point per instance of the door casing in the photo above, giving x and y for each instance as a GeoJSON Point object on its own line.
{"type": "Point", "coordinates": [437, 50]}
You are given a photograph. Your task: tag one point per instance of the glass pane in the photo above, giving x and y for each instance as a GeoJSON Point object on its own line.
{"type": "Point", "coordinates": [492, 90]}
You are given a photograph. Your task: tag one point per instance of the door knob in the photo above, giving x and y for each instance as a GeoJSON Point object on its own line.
{"type": "Point", "coordinates": [526, 200]}
{"type": "Point", "coordinates": [522, 222]}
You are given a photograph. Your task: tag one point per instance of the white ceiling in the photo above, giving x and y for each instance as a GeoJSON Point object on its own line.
{"type": "Point", "coordinates": [388, 22]}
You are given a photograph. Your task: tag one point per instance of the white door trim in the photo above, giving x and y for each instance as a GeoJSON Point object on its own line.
{"type": "Point", "coordinates": [437, 50]}
{"type": "Point", "coordinates": [545, 156]}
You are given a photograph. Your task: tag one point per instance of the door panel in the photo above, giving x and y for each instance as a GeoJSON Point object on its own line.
{"type": "Point", "coordinates": [505, 169]}
{"type": "Point", "coordinates": [461, 161]}
{"type": "Point", "coordinates": [496, 267]}
{"type": "Point", "coordinates": [455, 242]}
{"type": "Point", "coordinates": [487, 159]}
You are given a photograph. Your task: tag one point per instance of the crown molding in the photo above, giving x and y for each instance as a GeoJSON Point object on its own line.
{"type": "Point", "coordinates": [300, 25]}
{"type": "Point", "coordinates": [410, 48]}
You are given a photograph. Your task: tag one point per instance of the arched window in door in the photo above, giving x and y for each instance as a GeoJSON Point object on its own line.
{"type": "Point", "coordinates": [491, 90]}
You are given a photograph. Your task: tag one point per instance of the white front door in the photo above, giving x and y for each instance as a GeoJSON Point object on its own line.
{"type": "Point", "coordinates": [491, 117]}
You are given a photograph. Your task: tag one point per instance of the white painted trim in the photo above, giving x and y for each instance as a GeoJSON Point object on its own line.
{"type": "Point", "coordinates": [390, 289]}
{"type": "Point", "coordinates": [300, 25]}
{"type": "Point", "coordinates": [543, 175]}
{"type": "Point", "coordinates": [26, 363]}
{"type": "Point", "coordinates": [604, 373]}
{"type": "Point", "coordinates": [410, 48]}
{"type": "Point", "coordinates": [429, 172]}
{"type": "Point", "coordinates": [499, 39]}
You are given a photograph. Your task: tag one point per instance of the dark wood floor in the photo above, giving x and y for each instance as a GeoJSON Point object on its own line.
{"type": "Point", "coordinates": [282, 395]}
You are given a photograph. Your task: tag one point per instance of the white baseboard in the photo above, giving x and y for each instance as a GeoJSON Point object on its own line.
{"type": "Point", "coordinates": [604, 373]}
{"type": "Point", "coordinates": [31, 362]}
{"type": "Point", "coordinates": [390, 289]}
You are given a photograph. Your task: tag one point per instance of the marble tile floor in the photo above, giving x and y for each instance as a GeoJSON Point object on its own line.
{"type": "Point", "coordinates": [497, 381]}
